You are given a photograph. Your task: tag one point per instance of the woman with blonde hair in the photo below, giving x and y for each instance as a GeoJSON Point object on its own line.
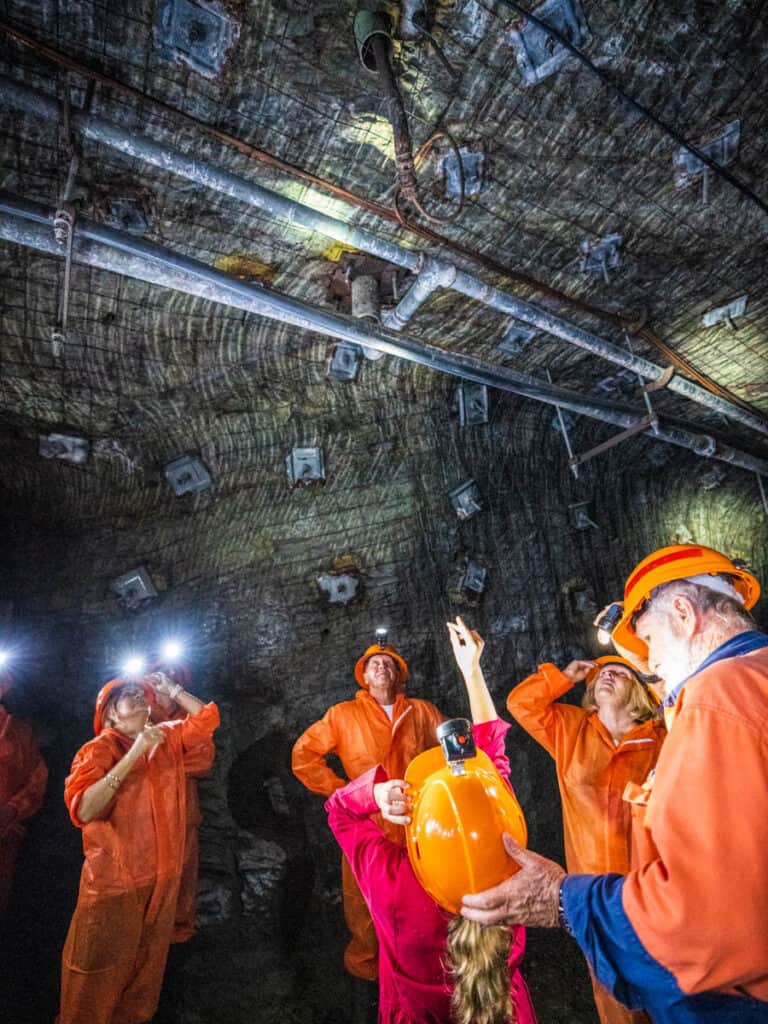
{"type": "Point", "coordinates": [434, 967]}
{"type": "Point", "coordinates": [612, 740]}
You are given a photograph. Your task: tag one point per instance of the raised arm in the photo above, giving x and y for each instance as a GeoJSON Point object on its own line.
{"type": "Point", "coordinates": [532, 702]}
{"type": "Point", "coordinates": [467, 645]}
{"type": "Point", "coordinates": [488, 729]}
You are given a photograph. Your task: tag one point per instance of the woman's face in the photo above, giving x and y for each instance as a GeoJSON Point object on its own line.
{"type": "Point", "coordinates": [129, 713]}
{"type": "Point", "coordinates": [613, 686]}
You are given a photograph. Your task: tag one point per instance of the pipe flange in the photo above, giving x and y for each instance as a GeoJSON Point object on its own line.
{"type": "Point", "coordinates": [367, 25]}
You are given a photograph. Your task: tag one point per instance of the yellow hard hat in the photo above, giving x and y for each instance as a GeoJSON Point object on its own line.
{"type": "Point", "coordinates": [390, 653]}
{"type": "Point", "coordinates": [676, 562]}
{"type": "Point", "coordinates": [454, 839]}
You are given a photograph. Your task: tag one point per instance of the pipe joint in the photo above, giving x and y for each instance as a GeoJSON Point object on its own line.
{"type": "Point", "coordinates": [433, 274]}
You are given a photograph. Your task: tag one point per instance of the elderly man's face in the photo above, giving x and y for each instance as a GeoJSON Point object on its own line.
{"type": "Point", "coordinates": [669, 646]}
{"type": "Point", "coordinates": [382, 677]}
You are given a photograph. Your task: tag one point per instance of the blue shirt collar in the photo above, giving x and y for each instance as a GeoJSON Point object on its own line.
{"type": "Point", "coordinates": [751, 640]}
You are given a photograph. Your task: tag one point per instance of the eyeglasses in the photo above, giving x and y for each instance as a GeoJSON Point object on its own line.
{"type": "Point", "coordinates": [639, 612]}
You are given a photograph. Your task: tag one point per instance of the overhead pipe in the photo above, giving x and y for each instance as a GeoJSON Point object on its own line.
{"type": "Point", "coordinates": [168, 159]}
{"type": "Point", "coordinates": [142, 148]}
{"type": "Point", "coordinates": [31, 225]}
{"type": "Point", "coordinates": [433, 274]}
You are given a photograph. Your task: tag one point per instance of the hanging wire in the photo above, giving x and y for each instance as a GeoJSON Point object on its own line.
{"type": "Point", "coordinates": [673, 133]}
{"type": "Point", "coordinates": [420, 156]}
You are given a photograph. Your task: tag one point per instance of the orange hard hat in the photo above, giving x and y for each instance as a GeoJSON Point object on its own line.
{"type": "Point", "coordinates": [677, 562]}
{"type": "Point", "coordinates": [610, 659]}
{"type": "Point", "coordinates": [106, 692]}
{"type": "Point", "coordinates": [381, 649]}
{"type": "Point", "coordinates": [454, 839]}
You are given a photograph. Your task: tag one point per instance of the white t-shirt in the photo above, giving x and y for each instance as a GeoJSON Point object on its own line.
{"type": "Point", "coordinates": [389, 708]}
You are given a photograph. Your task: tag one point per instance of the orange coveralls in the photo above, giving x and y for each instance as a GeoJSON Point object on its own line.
{"type": "Point", "coordinates": [703, 848]}
{"type": "Point", "coordinates": [185, 923]}
{"type": "Point", "coordinates": [115, 952]}
{"type": "Point", "coordinates": [361, 735]}
{"type": "Point", "coordinates": [592, 773]}
{"type": "Point", "coordinates": [23, 775]}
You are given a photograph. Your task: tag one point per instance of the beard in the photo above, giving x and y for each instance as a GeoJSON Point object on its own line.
{"type": "Point", "coordinates": [678, 663]}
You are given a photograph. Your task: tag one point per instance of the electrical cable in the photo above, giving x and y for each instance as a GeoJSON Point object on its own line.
{"type": "Point", "coordinates": [673, 133]}
{"type": "Point", "coordinates": [419, 157]}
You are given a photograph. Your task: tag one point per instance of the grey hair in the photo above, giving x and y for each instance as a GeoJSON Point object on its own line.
{"type": "Point", "coordinates": [727, 609]}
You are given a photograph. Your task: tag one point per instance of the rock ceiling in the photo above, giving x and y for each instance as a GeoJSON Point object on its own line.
{"type": "Point", "coordinates": [147, 374]}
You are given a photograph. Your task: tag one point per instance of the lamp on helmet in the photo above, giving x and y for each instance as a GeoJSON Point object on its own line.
{"type": "Point", "coordinates": [457, 819]}
{"type": "Point", "coordinates": [678, 562]}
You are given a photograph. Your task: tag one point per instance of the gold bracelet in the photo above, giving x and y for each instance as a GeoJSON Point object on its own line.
{"type": "Point", "coordinates": [113, 781]}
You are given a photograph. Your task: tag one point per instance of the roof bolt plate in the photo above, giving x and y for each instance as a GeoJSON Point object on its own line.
{"type": "Point", "coordinates": [197, 34]}
{"type": "Point", "coordinates": [721, 147]}
{"type": "Point", "coordinates": [539, 55]}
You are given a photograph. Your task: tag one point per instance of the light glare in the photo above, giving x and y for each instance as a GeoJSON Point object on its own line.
{"type": "Point", "coordinates": [133, 666]}
{"type": "Point", "coordinates": [172, 650]}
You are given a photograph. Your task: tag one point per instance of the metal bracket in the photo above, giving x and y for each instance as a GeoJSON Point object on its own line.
{"type": "Point", "coordinates": [566, 438]}
{"type": "Point", "coordinates": [472, 166]}
{"type": "Point", "coordinates": [516, 338]}
{"type": "Point", "coordinates": [344, 361]}
{"type": "Point", "coordinates": [641, 425]}
{"type": "Point", "coordinates": [721, 146]}
{"type": "Point", "coordinates": [661, 382]}
{"type": "Point", "coordinates": [305, 465]}
{"type": "Point", "coordinates": [727, 313]}
{"type": "Point", "coordinates": [600, 256]}
{"type": "Point", "coordinates": [473, 404]}
{"type": "Point", "coordinates": [466, 500]}
{"type": "Point", "coordinates": [538, 55]}
{"type": "Point", "coordinates": [196, 34]}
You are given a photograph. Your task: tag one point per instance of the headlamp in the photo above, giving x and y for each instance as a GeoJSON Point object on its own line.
{"type": "Point", "coordinates": [608, 622]}
{"type": "Point", "coordinates": [171, 650]}
{"type": "Point", "coordinates": [133, 666]}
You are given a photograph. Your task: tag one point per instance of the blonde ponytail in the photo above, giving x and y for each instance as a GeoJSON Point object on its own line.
{"type": "Point", "coordinates": [478, 965]}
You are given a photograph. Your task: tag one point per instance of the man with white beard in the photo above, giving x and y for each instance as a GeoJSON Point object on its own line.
{"type": "Point", "coordinates": [685, 934]}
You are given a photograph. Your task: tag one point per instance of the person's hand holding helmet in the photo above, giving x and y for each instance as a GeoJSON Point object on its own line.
{"type": "Point", "coordinates": [530, 897]}
{"type": "Point", "coordinates": [393, 800]}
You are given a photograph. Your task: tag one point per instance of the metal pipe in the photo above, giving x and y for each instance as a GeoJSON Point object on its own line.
{"type": "Point", "coordinates": [31, 225]}
{"type": "Point", "coordinates": [142, 148]}
{"type": "Point", "coordinates": [168, 159]}
{"type": "Point", "coordinates": [433, 275]}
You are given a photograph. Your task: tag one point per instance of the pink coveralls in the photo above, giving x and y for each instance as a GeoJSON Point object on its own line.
{"type": "Point", "coordinates": [411, 927]}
